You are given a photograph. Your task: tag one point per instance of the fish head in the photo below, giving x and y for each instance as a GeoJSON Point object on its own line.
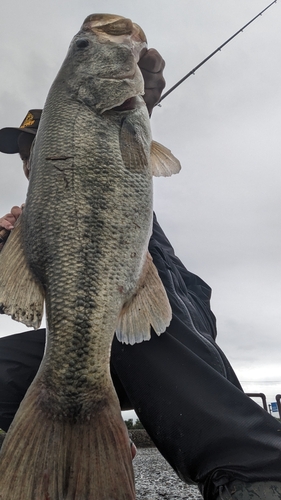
{"type": "Point", "coordinates": [101, 67]}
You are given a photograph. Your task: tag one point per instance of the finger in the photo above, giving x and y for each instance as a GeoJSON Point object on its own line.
{"type": "Point", "coordinates": [16, 211]}
{"type": "Point", "coordinates": [4, 233]}
{"type": "Point", "coordinates": [153, 80]}
{"type": "Point", "coordinates": [151, 98]}
{"type": "Point", "coordinates": [152, 61]}
{"type": "Point", "coordinates": [7, 222]}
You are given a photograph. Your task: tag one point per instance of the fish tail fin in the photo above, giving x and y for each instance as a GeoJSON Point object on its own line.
{"type": "Point", "coordinates": [148, 307]}
{"type": "Point", "coordinates": [50, 458]}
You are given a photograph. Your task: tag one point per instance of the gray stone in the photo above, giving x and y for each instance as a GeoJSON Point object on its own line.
{"type": "Point", "coordinates": [156, 480]}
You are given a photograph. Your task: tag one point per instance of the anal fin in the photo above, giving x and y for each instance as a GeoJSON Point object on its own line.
{"type": "Point", "coordinates": [21, 295]}
{"type": "Point", "coordinates": [148, 307]}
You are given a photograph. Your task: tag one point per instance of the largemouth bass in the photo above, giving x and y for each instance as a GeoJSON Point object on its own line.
{"type": "Point", "coordinates": [82, 246]}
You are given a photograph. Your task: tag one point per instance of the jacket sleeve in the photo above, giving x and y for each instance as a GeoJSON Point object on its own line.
{"type": "Point", "coordinates": [185, 283]}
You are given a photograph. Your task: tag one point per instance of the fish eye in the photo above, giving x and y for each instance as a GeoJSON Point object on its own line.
{"type": "Point", "coordinates": [82, 43]}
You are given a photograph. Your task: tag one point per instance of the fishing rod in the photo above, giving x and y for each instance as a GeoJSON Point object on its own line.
{"type": "Point", "coordinates": [192, 72]}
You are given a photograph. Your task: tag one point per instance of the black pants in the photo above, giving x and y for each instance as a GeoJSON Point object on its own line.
{"type": "Point", "coordinates": [180, 384]}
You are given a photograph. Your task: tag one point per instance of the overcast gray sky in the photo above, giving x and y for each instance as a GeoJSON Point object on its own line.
{"type": "Point", "coordinates": [222, 211]}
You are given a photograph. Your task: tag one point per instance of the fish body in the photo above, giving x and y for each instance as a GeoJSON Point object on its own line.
{"type": "Point", "coordinates": [84, 239]}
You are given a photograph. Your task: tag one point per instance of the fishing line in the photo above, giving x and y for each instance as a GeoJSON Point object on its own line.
{"type": "Point", "coordinates": [192, 72]}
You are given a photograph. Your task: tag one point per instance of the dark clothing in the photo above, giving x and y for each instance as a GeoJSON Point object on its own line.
{"type": "Point", "coordinates": [180, 384]}
{"type": "Point", "coordinates": [20, 357]}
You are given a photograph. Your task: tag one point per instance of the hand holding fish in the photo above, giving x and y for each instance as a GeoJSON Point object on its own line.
{"type": "Point", "coordinates": [7, 223]}
{"type": "Point", "coordinates": [8, 220]}
{"type": "Point", "coordinates": [152, 66]}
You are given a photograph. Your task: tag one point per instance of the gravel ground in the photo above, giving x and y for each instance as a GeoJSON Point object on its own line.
{"type": "Point", "coordinates": [156, 480]}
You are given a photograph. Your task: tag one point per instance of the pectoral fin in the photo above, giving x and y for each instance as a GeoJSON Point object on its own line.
{"type": "Point", "coordinates": [148, 307]}
{"type": "Point", "coordinates": [21, 296]}
{"type": "Point", "coordinates": [163, 162]}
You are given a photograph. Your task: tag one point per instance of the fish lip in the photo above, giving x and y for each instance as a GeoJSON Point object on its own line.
{"type": "Point", "coordinates": [117, 29]}
{"type": "Point", "coordinates": [113, 24]}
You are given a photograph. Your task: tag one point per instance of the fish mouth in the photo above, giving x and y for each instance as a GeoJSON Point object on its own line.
{"type": "Point", "coordinates": [127, 105]}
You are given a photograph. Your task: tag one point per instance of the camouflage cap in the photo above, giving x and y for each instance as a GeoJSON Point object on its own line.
{"type": "Point", "coordinates": [9, 135]}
